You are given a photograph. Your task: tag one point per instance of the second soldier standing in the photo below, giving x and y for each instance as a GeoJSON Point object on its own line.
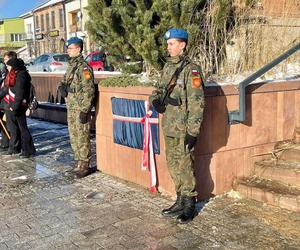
{"type": "Point", "coordinates": [79, 90]}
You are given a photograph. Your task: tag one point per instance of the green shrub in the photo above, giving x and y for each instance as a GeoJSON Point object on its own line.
{"type": "Point", "coordinates": [125, 81]}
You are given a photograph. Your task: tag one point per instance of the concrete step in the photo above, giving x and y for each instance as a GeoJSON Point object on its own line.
{"type": "Point", "coordinates": [284, 171]}
{"type": "Point", "coordinates": [288, 150]}
{"type": "Point", "coordinates": [291, 154]}
{"type": "Point", "coordinates": [271, 192]}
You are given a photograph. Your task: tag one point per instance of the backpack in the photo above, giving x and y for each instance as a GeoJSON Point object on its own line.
{"type": "Point", "coordinates": [33, 102]}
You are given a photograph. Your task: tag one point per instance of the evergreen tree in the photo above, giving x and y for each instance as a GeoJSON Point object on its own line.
{"type": "Point", "coordinates": [136, 28]}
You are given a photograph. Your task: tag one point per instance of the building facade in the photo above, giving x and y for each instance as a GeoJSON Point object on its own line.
{"type": "Point", "coordinates": [11, 34]}
{"type": "Point", "coordinates": [29, 52]}
{"type": "Point", "coordinates": [50, 27]}
{"type": "Point", "coordinates": [76, 17]}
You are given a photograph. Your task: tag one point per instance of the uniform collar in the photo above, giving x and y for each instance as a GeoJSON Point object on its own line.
{"type": "Point", "coordinates": [75, 59]}
{"type": "Point", "coordinates": [176, 59]}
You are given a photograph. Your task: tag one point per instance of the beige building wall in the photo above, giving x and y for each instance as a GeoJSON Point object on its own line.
{"type": "Point", "coordinates": [50, 29]}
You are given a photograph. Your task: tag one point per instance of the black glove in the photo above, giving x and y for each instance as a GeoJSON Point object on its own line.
{"type": "Point", "coordinates": [83, 117]}
{"type": "Point", "coordinates": [189, 141]}
{"type": "Point", "coordinates": [63, 90]}
{"type": "Point", "coordinates": [159, 107]}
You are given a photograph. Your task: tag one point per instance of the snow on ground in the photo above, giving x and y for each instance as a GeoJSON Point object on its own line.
{"type": "Point", "coordinates": [52, 142]}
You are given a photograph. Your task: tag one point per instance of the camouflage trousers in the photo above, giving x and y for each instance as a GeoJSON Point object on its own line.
{"type": "Point", "coordinates": [180, 165]}
{"type": "Point", "coordinates": [79, 136]}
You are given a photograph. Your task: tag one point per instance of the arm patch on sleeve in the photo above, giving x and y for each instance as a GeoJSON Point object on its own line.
{"type": "Point", "coordinates": [86, 74]}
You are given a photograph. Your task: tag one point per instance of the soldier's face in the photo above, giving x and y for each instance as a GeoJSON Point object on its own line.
{"type": "Point", "coordinates": [175, 47]}
{"type": "Point", "coordinates": [73, 50]}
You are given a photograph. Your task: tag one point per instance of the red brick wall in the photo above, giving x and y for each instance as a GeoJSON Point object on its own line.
{"type": "Point", "coordinates": [223, 152]}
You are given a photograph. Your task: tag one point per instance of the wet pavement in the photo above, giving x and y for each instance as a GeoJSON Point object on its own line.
{"type": "Point", "coordinates": [42, 206]}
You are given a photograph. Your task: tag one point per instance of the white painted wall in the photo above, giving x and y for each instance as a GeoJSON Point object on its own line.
{"type": "Point", "coordinates": [29, 21]}
{"type": "Point", "coordinates": [27, 53]}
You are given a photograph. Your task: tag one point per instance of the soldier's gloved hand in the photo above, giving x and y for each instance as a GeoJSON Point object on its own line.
{"type": "Point", "coordinates": [83, 117]}
{"type": "Point", "coordinates": [159, 107]}
{"type": "Point", "coordinates": [189, 141]}
{"type": "Point", "coordinates": [63, 89]}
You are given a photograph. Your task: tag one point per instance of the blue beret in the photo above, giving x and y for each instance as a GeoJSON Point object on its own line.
{"type": "Point", "coordinates": [176, 33]}
{"type": "Point", "coordinates": [74, 40]}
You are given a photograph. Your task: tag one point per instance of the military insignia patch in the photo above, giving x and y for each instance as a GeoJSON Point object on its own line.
{"type": "Point", "coordinates": [167, 35]}
{"type": "Point", "coordinates": [86, 74]}
{"type": "Point", "coordinates": [196, 82]}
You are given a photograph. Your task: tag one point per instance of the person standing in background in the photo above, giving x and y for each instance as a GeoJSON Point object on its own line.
{"type": "Point", "coordinates": [4, 141]}
{"type": "Point", "coordinates": [18, 82]}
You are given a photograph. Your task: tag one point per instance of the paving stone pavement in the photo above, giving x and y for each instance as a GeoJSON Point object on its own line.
{"type": "Point", "coordinates": [42, 206]}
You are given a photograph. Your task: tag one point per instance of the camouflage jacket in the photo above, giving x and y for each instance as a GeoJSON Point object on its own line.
{"type": "Point", "coordinates": [79, 78]}
{"type": "Point", "coordinates": [186, 118]}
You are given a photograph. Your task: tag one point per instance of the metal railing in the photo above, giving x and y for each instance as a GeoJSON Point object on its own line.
{"type": "Point", "coordinates": [238, 116]}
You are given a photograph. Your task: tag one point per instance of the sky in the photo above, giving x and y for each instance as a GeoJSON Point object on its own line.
{"type": "Point", "coordinates": [15, 8]}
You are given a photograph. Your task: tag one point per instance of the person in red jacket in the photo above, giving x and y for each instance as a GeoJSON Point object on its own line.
{"type": "Point", "coordinates": [18, 81]}
{"type": "Point", "coordinates": [4, 96]}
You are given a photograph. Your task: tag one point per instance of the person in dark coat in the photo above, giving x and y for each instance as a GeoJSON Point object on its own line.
{"type": "Point", "coordinates": [19, 82]}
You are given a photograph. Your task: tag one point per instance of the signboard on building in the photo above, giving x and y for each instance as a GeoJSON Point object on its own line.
{"type": "Point", "coordinates": [39, 36]}
{"type": "Point", "coordinates": [53, 33]}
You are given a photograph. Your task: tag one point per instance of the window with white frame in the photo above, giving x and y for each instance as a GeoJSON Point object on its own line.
{"type": "Point", "coordinates": [16, 37]}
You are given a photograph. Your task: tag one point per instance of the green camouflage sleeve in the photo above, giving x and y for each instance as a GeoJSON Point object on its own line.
{"type": "Point", "coordinates": [65, 77]}
{"type": "Point", "coordinates": [195, 97]}
{"type": "Point", "coordinates": [87, 90]}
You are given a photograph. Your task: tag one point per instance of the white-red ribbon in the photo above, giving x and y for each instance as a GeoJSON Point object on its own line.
{"type": "Point", "coordinates": [11, 97]}
{"type": "Point", "coordinates": [148, 159]}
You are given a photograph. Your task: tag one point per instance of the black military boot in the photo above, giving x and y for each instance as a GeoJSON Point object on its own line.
{"type": "Point", "coordinates": [76, 167]}
{"type": "Point", "coordinates": [176, 209]}
{"type": "Point", "coordinates": [84, 169]}
{"type": "Point", "coordinates": [189, 210]}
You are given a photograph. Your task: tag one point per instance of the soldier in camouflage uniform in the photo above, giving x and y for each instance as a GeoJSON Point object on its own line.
{"type": "Point", "coordinates": [79, 90]}
{"type": "Point", "coordinates": [179, 96]}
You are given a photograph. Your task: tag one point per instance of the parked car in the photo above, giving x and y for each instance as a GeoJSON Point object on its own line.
{"type": "Point", "coordinates": [50, 62]}
{"type": "Point", "coordinates": [98, 61]}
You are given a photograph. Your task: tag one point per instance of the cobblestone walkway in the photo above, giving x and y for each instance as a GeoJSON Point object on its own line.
{"type": "Point", "coordinates": [42, 206]}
